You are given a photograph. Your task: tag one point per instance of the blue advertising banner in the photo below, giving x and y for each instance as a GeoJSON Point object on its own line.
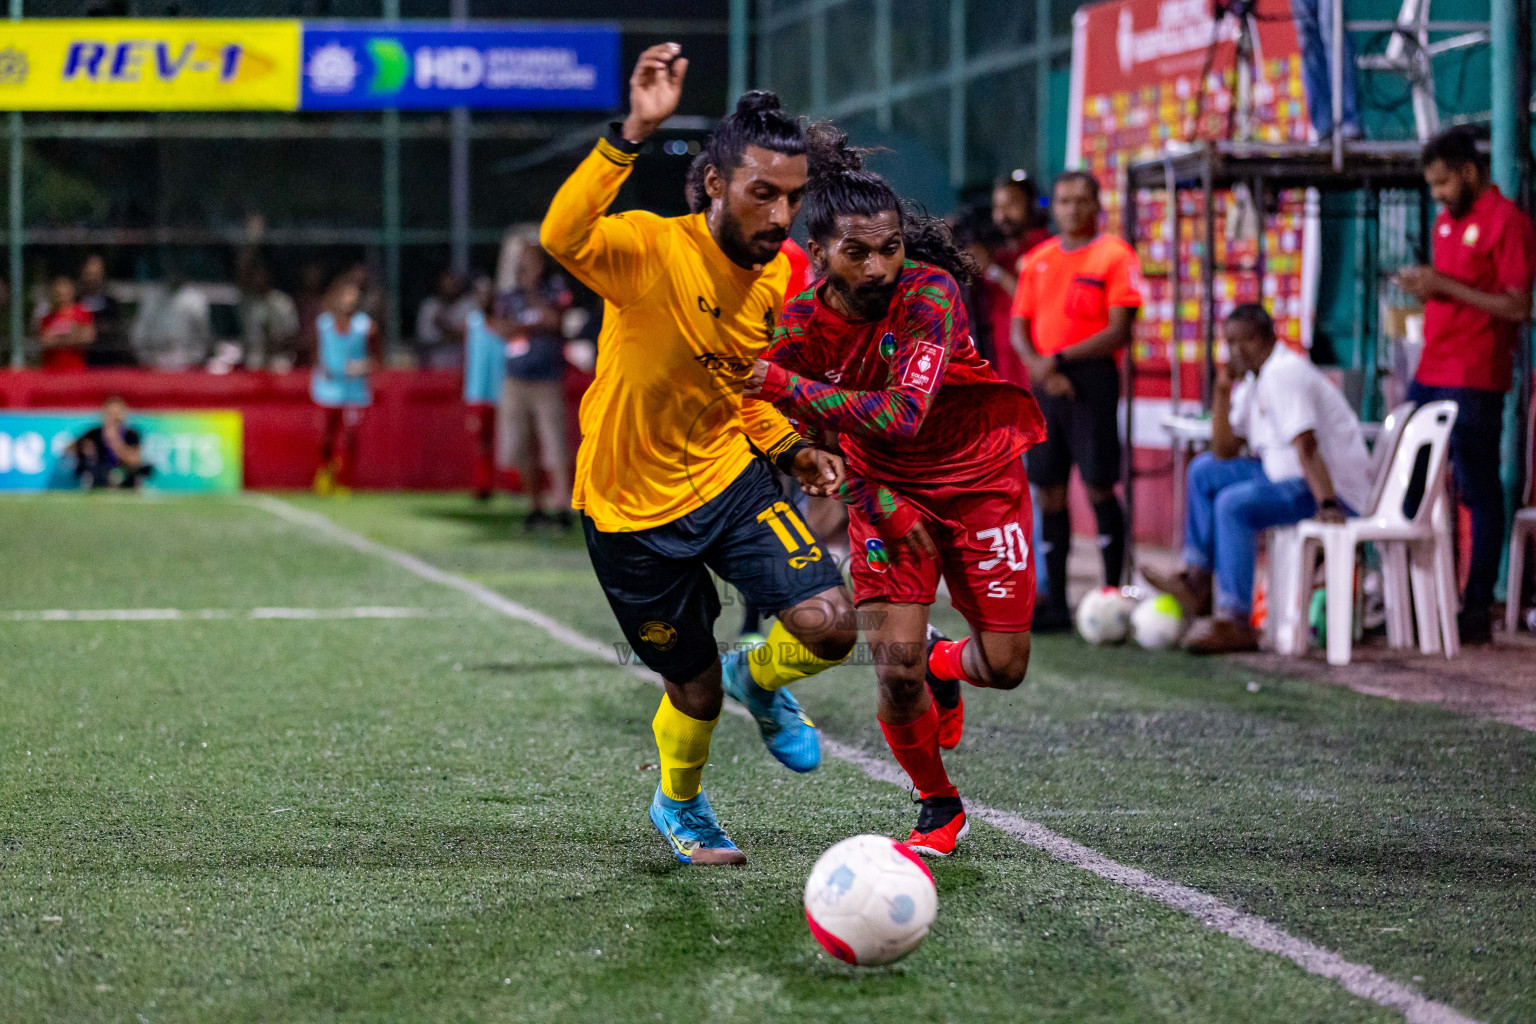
{"type": "Point", "coordinates": [199, 451]}
{"type": "Point", "coordinates": [372, 66]}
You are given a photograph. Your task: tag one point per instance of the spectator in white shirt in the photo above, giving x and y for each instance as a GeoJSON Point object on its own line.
{"type": "Point", "coordinates": [1305, 457]}
{"type": "Point", "coordinates": [174, 327]}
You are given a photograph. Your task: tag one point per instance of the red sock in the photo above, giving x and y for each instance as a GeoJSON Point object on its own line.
{"type": "Point", "coordinates": [483, 478]}
{"type": "Point", "coordinates": [946, 661]}
{"type": "Point", "coordinates": [483, 475]}
{"type": "Point", "coordinates": [916, 746]}
{"type": "Point", "coordinates": [346, 456]}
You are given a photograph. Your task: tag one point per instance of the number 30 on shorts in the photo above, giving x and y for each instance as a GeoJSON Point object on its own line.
{"type": "Point", "coordinates": [1008, 543]}
{"type": "Point", "coordinates": [771, 515]}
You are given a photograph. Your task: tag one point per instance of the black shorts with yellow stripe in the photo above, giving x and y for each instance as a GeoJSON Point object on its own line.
{"type": "Point", "coordinates": [658, 580]}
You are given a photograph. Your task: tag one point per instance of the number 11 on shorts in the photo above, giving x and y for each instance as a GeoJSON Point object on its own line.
{"type": "Point", "coordinates": [771, 516]}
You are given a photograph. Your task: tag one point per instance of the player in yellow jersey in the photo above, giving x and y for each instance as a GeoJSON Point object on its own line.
{"type": "Point", "coordinates": [671, 478]}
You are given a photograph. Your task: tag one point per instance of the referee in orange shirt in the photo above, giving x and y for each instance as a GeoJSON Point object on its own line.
{"type": "Point", "coordinates": [1077, 297]}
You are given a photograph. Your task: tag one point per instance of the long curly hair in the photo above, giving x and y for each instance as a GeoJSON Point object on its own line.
{"type": "Point", "coordinates": [839, 186]}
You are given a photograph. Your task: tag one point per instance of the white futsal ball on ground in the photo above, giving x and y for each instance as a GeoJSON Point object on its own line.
{"type": "Point", "coordinates": [870, 900]}
{"type": "Point", "coordinates": [1104, 616]}
{"type": "Point", "coordinates": [1158, 622]}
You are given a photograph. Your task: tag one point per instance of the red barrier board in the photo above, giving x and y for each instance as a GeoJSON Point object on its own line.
{"type": "Point", "coordinates": [414, 437]}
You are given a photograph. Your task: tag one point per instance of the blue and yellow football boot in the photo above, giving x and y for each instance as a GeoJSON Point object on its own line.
{"type": "Point", "coordinates": [690, 828]}
{"type": "Point", "coordinates": [788, 734]}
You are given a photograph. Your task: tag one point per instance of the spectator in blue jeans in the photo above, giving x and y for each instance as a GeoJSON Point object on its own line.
{"type": "Point", "coordinates": [1477, 299]}
{"type": "Point", "coordinates": [1314, 31]}
{"type": "Point", "coordinates": [1306, 457]}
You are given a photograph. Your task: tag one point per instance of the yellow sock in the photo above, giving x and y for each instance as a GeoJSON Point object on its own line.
{"type": "Point", "coordinates": [684, 746]}
{"type": "Point", "coordinates": [784, 660]}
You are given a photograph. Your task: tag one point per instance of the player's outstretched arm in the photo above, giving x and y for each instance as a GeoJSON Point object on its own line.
{"type": "Point", "coordinates": [894, 413]}
{"type": "Point", "coordinates": [770, 432]}
{"type": "Point", "coordinates": [896, 521]}
{"type": "Point", "coordinates": [928, 333]}
{"type": "Point", "coordinates": [618, 257]}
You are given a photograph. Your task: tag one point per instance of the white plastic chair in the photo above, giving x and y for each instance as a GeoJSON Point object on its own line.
{"type": "Point", "coordinates": [1423, 558]}
{"type": "Point", "coordinates": [1395, 576]}
{"type": "Point", "coordinates": [1520, 532]}
{"type": "Point", "coordinates": [1286, 573]}
{"type": "Point", "coordinates": [1525, 526]}
{"type": "Point", "coordinates": [1283, 630]}
{"type": "Point", "coordinates": [1385, 449]}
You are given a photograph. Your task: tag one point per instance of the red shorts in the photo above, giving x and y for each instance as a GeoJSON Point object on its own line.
{"type": "Point", "coordinates": [981, 529]}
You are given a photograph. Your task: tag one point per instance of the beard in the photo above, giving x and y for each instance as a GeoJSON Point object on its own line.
{"type": "Point", "coordinates": [1461, 205]}
{"type": "Point", "coordinates": [869, 301]}
{"type": "Point", "coordinates": [748, 250]}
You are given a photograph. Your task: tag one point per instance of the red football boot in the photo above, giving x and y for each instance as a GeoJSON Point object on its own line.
{"type": "Point", "coordinates": [941, 825]}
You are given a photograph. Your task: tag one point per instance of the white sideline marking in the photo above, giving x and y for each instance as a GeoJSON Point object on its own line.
{"type": "Point", "coordinates": [167, 614]}
{"type": "Point", "coordinates": [1357, 979]}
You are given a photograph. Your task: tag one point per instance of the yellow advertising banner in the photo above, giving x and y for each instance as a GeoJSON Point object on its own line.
{"type": "Point", "coordinates": [149, 64]}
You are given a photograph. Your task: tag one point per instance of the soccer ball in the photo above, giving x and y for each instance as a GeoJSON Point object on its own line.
{"type": "Point", "coordinates": [1104, 616]}
{"type": "Point", "coordinates": [1158, 622]}
{"type": "Point", "coordinates": [870, 900]}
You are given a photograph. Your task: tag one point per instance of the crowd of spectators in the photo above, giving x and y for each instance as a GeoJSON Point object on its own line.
{"type": "Point", "coordinates": [79, 319]}
{"type": "Point", "coordinates": [1476, 295]}
{"type": "Point", "coordinates": [515, 330]}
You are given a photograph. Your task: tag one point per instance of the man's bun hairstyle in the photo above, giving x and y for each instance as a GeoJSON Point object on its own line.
{"type": "Point", "coordinates": [757, 121]}
{"type": "Point", "coordinates": [756, 101]}
{"type": "Point", "coordinates": [839, 186]}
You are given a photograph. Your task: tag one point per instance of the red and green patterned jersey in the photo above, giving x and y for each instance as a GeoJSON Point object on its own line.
{"type": "Point", "coordinates": [908, 393]}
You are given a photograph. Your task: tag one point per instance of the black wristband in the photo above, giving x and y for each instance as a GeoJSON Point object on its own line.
{"type": "Point", "coordinates": [1058, 362]}
{"type": "Point", "coordinates": [1328, 504]}
{"type": "Point", "coordinates": [617, 140]}
{"type": "Point", "coordinates": [785, 460]}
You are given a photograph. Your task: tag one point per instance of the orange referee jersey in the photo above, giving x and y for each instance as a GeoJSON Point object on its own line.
{"type": "Point", "coordinates": [1067, 294]}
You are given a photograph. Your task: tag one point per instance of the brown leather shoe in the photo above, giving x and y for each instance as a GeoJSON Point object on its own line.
{"type": "Point", "coordinates": [1190, 587]}
{"type": "Point", "coordinates": [1221, 636]}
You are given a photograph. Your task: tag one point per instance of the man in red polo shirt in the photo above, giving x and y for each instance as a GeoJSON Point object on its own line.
{"type": "Point", "coordinates": [1477, 297]}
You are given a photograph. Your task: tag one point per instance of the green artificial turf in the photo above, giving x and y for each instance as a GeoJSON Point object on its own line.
{"type": "Point", "coordinates": [442, 818]}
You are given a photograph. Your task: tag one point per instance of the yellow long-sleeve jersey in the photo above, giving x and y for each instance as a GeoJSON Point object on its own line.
{"type": "Point", "coordinates": [663, 428]}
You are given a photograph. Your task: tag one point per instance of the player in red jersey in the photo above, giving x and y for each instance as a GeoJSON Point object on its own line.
{"type": "Point", "coordinates": [880, 351]}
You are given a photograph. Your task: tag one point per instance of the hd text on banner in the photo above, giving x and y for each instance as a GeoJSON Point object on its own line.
{"type": "Point", "coordinates": [357, 66]}
{"type": "Point", "coordinates": [198, 452]}
{"type": "Point", "coordinates": [149, 64]}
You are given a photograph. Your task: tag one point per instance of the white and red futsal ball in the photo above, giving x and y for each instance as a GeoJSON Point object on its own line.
{"type": "Point", "coordinates": [870, 900]}
{"type": "Point", "coordinates": [1104, 616]}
